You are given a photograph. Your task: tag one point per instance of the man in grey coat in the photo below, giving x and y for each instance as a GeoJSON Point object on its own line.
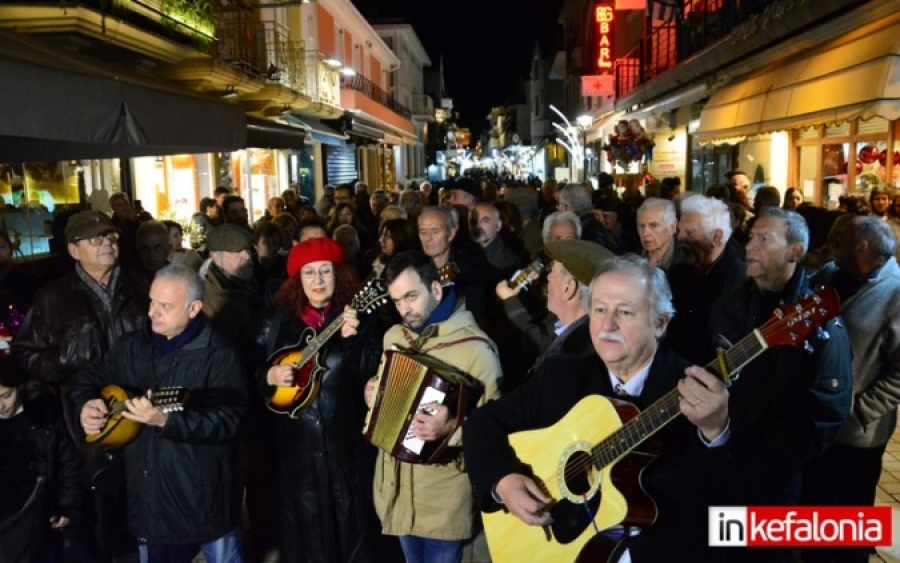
{"type": "Point", "coordinates": [867, 277]}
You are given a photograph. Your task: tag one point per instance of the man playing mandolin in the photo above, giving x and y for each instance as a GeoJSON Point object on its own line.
{"type": "Point", "coordinates": [324, 466]}
{"type": "Point", "coordinates": [182, 486]}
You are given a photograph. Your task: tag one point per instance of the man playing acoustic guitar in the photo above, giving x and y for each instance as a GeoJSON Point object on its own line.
{"type": "Point", "coordinates": [629, 309]}
{"type": "Point", "coordinates": [182, 488]}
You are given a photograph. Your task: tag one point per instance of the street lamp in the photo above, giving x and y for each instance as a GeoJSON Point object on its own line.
{"type": "Point", "coordinates": [584, 124]}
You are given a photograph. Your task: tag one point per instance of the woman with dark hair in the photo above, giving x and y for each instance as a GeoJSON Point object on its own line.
{"type": "Point", "coordinates": [394, 236]}
{"type": "Point", "coordinates": [324, 467]}
{"type": "Point", "coordinates": [792, 199]}
{"type": "Point", "coordinates": [345, 214]}
{"type": "Point", "coordinates": [178, 254]}
{"type": "Point", "coordinates": [34, 443]}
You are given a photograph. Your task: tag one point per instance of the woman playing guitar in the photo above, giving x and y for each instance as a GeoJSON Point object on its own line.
{"type": "Point", "coordinates": [324, 467]}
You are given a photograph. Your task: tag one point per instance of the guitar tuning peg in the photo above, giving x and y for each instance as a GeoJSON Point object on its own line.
{"type": "Point", "coordinates": [807, 347]}
{"type": "Point", "coordinates": [822, 334]}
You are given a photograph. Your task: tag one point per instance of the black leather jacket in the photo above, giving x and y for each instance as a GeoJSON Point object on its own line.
{"type": "Point", "coordinates": [182, 479]}
{"type": "Point", "coordinates": [325, 467]}
{"type": "Point", "coordinates": [67, 328]}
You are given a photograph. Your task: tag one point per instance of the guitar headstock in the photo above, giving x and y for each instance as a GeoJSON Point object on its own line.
{"type": "Point", "coordinates": [447, 273]}
{"type": "Point", "coordinates": [169, 399]}
{"type": "Point", "coordinates": [372, 296]}
{"type": "Point", "coordinates": [523, 277]}
{"type": "Point", "coordinates": [792, 324]}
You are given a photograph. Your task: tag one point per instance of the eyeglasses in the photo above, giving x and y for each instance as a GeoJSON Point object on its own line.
{"type": "Point", "coordinates": [98, 240]}
{"type": "Point", "coordinates": [324, 273]}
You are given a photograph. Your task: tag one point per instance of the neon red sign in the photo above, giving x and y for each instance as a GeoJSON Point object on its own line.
{"type": "Point", "coordinates": [604, 15]}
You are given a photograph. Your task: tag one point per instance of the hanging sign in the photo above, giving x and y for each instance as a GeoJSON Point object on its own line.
{"type": "Point", "coordinates": [603, 17]}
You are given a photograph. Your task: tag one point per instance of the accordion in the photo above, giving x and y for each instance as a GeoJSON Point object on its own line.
{"type": "Point", "coordinates": [408, 381]}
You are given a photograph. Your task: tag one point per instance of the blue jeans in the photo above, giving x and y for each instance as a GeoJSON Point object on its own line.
{"type": "Point", "coordinates": [226, 549]}
{"type": "Point", "coordinates": [424, 550]}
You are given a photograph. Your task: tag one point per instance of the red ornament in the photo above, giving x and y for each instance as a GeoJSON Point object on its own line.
{"type": "Point", "coordinates": [868, 154]}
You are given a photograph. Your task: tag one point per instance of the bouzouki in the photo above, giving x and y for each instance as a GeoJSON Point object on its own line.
{"type": "Point", "coordinates": [590, 461]}
{"type": "Point", "coordinates": [304, 355]}
{"type": "Point", "coordinates": [120, 431]}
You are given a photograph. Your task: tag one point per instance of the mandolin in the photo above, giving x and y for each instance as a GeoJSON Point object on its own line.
{"type": "Point", "coordinates": [304, 355]}
{"type": "Point", "coordinates": [120, 431]}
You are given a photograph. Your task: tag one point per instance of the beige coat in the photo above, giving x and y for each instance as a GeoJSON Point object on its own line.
{"type": "Point", "coordinates": [435, 501]}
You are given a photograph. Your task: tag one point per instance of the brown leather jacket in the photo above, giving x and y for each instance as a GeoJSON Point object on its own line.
{"type": "Point", "coordinates": [67, 327]}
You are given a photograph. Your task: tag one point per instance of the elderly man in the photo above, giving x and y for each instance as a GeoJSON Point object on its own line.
{"type": "Point", "coordinates": [630, 306]}
{"type": "Point", "coordinates": [704, 230]}
{"type": "Point", "coordinates": [657, 225]}
{"type": "Point", "coordinates": [182, 486]}
{"type": "Point", "coordinates": [74, 321]}
{"type": "Point", "coordinates": [430, 505]}
{"type": "Point", "coordinates": [561, 225]}
{"type": "Point", "coordinates": [484, 228]}
{"type": "Point", "coordinates": [574, 263]}
{"type": "Point", "coordinates": [792, 402]}
{"type": "Point", "coordinates": [866, 275]}
{"type": "Point", "coordinates": [232, 301]}
{"type": "Point", "coordinates": [460, 262]}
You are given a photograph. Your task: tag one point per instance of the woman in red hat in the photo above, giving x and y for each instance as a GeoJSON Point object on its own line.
{"type": "Point", "coordinates": [324, 466]}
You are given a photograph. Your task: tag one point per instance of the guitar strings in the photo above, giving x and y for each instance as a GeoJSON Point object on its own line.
{"type": "Point", "coordinates": [631, 434]}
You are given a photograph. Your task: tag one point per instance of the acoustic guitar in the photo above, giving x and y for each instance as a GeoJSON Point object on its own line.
{"type": "Point", "coordinates": [120, 431]}
{"type": "Point", "coordinates": [595, 454]}
{"type": "Point", "coordinates": [304, 355]}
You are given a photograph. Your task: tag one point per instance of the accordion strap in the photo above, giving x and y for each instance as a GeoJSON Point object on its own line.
{"type": "Point", "coordinates": [416, 344]}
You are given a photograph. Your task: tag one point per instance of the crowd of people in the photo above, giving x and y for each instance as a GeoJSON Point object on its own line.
{"type": "Point", "coordinates": [252, 362]}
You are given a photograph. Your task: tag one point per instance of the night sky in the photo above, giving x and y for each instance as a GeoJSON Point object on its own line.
{"type": "Point", "coordinates": [486, 45]}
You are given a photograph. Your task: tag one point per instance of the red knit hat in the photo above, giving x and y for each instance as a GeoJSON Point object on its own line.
{"type": "Point", "coordinates": [313, 250]}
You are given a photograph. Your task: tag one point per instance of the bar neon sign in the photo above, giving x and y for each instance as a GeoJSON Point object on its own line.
{"type": "Point", "coordinates": [604, 14]}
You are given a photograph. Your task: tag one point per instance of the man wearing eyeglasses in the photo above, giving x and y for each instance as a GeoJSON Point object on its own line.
{"type": "Point", "coordinates": [75, 320]}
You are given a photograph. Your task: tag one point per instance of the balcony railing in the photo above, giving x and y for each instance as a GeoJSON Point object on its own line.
{"type": "Point", "coordinates": [423, 105]}
{"type": "Point", "coordinates": [370, 90]}
{"type": "Point", "coordinates": [703, 23]}
{"type": "Point", "coordinates": [284, 62]}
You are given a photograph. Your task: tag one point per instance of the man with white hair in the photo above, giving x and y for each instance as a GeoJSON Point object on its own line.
{"type": "Point", "coordinates": [657, 226]}
{"type": "Point", "coordinates": [704, 229]}
{"type": "Point", "coordinates": [629, 309]}
{"type": "Point", "coordinates": [561, 225]}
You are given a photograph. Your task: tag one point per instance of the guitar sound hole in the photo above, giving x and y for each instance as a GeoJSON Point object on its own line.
{"type": "Point", "coordinates": [579, 473]}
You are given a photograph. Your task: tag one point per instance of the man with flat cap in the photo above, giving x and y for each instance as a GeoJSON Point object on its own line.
{"type": "Point", "coordinates": [466, 192]}
{"type": "Point", "coordinates": [574, 263]}
{"type": "Point", "coordinates": [232, 302]}
{"type": "Point", "coordinates": [75, 320]}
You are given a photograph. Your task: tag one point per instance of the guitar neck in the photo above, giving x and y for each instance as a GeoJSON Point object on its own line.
{"type": "Point", "coordinates": [666, 409]}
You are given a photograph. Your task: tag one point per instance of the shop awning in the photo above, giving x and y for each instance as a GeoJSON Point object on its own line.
{"type": "Point", "coordinates": [54, 114]}
{"type": "Point", "coordinates": [266, 134]}
{"type": "Point", "coordinates": [318, 131]}
{"type": "Point", "coordinates": [856, 76]}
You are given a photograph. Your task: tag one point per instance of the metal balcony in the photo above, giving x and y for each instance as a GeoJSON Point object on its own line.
{"type": "Point", "coordinates": [370, 90]}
